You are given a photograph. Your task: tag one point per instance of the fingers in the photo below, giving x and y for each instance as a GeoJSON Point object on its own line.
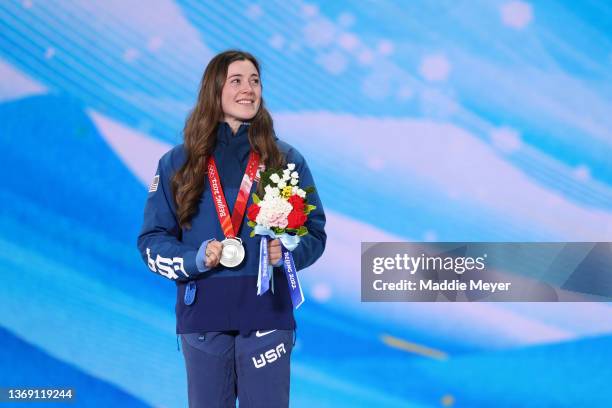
{"type": "Point", "coordinates": [274, 259]}
{"type": "Point", "coordinates": [215, 245]}
{"type": "Point", "coordinates": [212, 261]}
{"type": "Point", "coordinates": [213, 253]}
{"type": "Point", "coordinates": [274, 251]}
{"type": "Point", "coordinates": [274, 246]}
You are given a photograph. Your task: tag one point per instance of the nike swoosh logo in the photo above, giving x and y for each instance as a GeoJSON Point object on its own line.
{"type": "Point", "coordinates": [261, 334]}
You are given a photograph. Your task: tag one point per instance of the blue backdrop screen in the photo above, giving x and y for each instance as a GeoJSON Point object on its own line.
{"type": "Point", "coordinates": [426, 121]}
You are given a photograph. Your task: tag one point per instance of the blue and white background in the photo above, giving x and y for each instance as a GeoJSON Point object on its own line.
{"type": "Point", "coordinates": [434, 121]}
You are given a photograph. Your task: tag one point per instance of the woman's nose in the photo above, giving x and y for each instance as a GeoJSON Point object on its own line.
{"type": "Point", "coordinates": [247, 87]}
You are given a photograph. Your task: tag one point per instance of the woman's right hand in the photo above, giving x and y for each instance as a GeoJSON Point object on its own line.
{"type": "Point", "coordinates": [213, 254]}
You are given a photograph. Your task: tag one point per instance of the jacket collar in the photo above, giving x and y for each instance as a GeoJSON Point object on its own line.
{"type": "Point", "coordinates": [225, 135]}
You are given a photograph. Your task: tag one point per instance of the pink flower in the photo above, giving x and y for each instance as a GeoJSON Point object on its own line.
{"type": "Point", "coordinates": [278, 220]}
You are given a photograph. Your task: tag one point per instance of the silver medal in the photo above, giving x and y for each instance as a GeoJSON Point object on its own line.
{"type": "Point", "coordinates": [233, 252]}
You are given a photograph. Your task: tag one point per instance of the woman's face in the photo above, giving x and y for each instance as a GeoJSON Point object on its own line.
{"type": "Point", "coordinates": [241, 94]}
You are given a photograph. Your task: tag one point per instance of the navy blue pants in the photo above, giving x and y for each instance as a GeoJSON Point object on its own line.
{"type": "Point", "coordinates": [224, 365]}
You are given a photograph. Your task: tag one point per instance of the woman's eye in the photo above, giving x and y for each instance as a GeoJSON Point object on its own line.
{"type": "Point", "coordinates": [235, 81]}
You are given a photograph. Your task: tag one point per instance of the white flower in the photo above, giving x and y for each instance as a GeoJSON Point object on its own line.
{"type": "Point", "coordinates": [285, 177]}
{"type": "Point", "coordinates": [273, 212]}
{"type": "Point", "coordinates": [282, 184]}
{"type": "Point", "coordinates": [295, 174]}
{"type": "Point", "coordinates": [286, 173]}
{"type": "Point", "coordinates": [271, 192]}
{"type": "Point", "coordinates": [294, 182]}
{"type": "Point", "coordinates": [291, 166]}
{"type": "Point", "coordinates": [274, 178]}
{"type": "Point", "coordinates": [301, 193]}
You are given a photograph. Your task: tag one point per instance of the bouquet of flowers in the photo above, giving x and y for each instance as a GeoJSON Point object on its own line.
{"type": "Point", "coordinates": [280, 214]}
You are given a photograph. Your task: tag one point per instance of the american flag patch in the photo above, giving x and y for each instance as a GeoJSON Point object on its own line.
{"type": "Point", "coordinates": [154, 184]}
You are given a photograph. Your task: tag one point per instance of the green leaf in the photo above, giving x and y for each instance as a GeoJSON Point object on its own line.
{"type": "Point", "coordinates": [256, 199]}
{"type": "Point", "coordinates": [309, 189]}
{"type": "Point", "coordinates": [264, 177]}
{"type": "Point", "coordinates": [251, 224]}
{"type": "Point", "coordinates": [252, 234]}
{"type": "Point", "coordinates": [302, 231]}
{"type": "Point", "coordinates": [309, 208]}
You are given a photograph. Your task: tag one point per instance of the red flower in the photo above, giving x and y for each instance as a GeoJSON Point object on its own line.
{"type": "Point", "coordinates": [253, 211]}
{"type": "Point", "coordinates": [297, 203]}
{"type": "Point", "coordinates": [296, 219]}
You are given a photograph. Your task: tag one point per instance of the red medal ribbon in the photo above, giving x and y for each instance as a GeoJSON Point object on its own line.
{"type": "Point", "coordinates": [231, 225]}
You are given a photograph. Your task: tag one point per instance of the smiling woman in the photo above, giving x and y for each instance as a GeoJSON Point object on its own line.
{"type": "Point", "coordinates": [241, 94]}
{"type": "Point", "coordinates": [237, 339]}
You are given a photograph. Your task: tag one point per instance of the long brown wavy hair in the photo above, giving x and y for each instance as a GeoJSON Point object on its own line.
{"type": "Point", "coordinates": [200, 135]}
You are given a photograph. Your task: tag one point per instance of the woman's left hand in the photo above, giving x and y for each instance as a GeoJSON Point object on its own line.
{"type": "Point", "coordinates": [274, 251]}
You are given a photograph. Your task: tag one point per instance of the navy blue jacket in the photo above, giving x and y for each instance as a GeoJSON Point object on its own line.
{"type": "Point", "coordinates": [226, 298]}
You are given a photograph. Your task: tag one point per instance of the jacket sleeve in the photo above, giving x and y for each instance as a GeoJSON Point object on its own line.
{"type": "Point", "coordinates": [159, 240]}
{"type": "Point", "coordinates": [312, 245]}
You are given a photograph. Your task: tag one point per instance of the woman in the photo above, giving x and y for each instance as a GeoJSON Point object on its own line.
{"type": "Point", "coordinates": [236, 343]}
